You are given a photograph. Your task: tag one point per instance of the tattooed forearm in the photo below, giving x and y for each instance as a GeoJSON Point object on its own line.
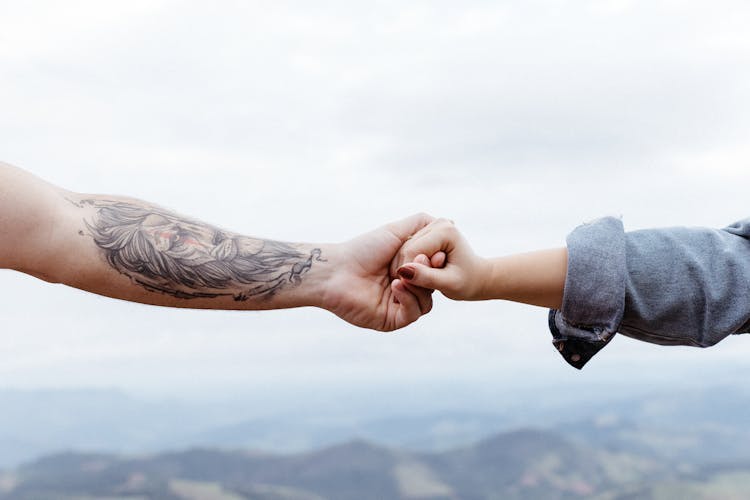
{"type": "Point", "coordinates": [167, 253]}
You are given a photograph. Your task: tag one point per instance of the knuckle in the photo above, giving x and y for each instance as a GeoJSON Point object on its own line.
{"type": "Point", "coordinates": [446, 225]}
{"type": "Point", "coordinates": [424, 216]}
{"type": "Point", "coordinates": [450, 231]}
{"type": "Point", "coordinates": [402, 256]}
{"type": "Point", "coordinates": [408, 257]}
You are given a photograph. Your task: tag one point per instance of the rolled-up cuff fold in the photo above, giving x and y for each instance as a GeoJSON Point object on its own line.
{"type": "Point", "coordinates": [594, 296]}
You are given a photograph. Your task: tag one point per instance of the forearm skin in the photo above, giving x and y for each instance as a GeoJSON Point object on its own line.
{"type": "Point", "coordinates": [132, 250]}
{"type": "Point", "coordinates": [536, 278]}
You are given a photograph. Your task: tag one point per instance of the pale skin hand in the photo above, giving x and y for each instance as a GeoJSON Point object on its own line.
{"type": "Point", "coordinates": [133, 250]}
{"type": "Point", "coordinates": [536, 278]}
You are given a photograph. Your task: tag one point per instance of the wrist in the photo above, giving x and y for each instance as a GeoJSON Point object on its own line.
{"type": "Point", "coordinates": [339, 284]}
{"type": "Point", "coordinates": [486, 278]}
{"type": "Point", "coordinates": [315, 290]}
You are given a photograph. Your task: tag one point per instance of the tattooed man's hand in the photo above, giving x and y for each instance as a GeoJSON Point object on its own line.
{"type": "Point", "coordinates": [138, 251]}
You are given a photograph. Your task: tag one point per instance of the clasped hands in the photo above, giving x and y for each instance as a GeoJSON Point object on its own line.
{"type": "Point", "coordinates": [384, 279]}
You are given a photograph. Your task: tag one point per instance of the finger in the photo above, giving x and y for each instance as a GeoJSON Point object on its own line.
{"type": "Point", "coordinates": [423, 296]}
{"type": "Point", "coordinates": [407, 309]}
{"type": "Point", "coordinates": [426, 229]}
{"type": "Point", "coordinates": [423, 276]}
{"type": "Point", "coordinates": [438, 232]}
{"type": "Point", "coordinates": [422, 259]}
{"type": "Point", "coordinates": [397, 262]}
{"type": "Point", "coordinates": [400, 259]}
{"type": "Point", "coordinates": [438, 260]}
{"type": "Point", "coordinates": [405, 228]}
{"type": "Point", "coordinates": [431, 242]}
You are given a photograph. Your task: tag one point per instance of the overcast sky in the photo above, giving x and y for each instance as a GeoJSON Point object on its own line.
{"type": "Point", "coordinates": [316, 121]}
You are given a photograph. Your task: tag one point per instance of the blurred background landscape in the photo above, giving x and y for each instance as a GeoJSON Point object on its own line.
{"type": "Point", "coordinates": [317, 121]}
{"type": "Point", "coordinates": [658, 442]}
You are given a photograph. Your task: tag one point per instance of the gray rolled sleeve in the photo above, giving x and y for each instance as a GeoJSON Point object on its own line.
{"type": "Point", "coordinates": [594, 297]}
{"type": "Point", "coordinates": [671, 286]}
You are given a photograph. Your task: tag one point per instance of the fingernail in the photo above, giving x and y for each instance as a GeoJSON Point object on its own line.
{"type": "Point", "coordinates": [406, 272]}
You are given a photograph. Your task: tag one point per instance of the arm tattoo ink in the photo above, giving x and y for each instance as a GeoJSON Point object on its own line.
{"type": "Point", "coordinates": [167, 253]}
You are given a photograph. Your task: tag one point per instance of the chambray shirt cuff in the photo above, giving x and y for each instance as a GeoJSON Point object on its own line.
{"type": "Point", "coordinates": [594, 296]}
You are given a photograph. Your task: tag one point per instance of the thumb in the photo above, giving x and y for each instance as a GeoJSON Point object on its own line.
{"type": "Point", "coordinates": [423, 276]}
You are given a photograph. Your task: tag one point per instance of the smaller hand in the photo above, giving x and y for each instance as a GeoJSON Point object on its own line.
{"type": "Point", "coordinates": [439, 257]}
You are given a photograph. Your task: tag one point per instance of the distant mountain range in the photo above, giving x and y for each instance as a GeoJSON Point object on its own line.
{"type": "Point", "coordinates": [524, 464]}
{"type": "Point", "coordinates": [693, 428]}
